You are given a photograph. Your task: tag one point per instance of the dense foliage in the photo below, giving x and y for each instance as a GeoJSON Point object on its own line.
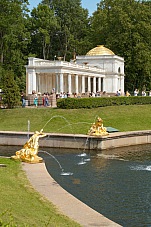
{"type": "Point", "coordinates": [14, 35]}
{"type": "Point", "coordinates": [125, 27]}
{"type": "Point", "coordinates": [43, 26]}
{"type": "Point", "coordinates": [73, 28]}
{"type": "Point", "coordinates": [88, 103]}
{"type": "Point", "coordinates": [11, 94]}
{"type": "Point", "coordinates": [63, 29]}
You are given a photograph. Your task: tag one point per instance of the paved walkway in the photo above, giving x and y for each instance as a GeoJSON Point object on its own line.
{"type": "Point", "coordinates": [65, 202]}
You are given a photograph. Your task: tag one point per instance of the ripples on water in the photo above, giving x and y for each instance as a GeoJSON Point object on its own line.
{"type": "Point", "coordinates": [117, 186]}
{"type": "Point", "coordinates": [141, 167]}
{"type": "Point", "coordinates": [116, 183]}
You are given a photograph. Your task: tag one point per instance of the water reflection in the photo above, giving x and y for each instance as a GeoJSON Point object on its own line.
{"type": "Point", "coordinates": [116, 188]}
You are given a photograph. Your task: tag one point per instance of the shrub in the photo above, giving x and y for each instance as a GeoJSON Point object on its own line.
{"type": "Point", "coordinates": [88, 103]}
{"type": "Point", "coordinates": [11, 93]}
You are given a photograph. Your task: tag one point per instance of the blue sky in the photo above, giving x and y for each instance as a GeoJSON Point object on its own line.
{"type": "Point", "coordinates": [88, 4]}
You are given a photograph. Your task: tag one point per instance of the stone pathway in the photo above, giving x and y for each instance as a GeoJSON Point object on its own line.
{"type": "Point", "coordinates": [65, 202]}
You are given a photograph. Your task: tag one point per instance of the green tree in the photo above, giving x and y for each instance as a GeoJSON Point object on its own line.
{"type": "Point", "coordinates": [43, 26]}
{"type": "Point", "coordinates": [73, 27]}
{"type": "Point", "coordinates": [14, 36]}
{"type": "Point", "coordinates": [11, 93]}
{"type": "Point", "coordinates": [125, 28]}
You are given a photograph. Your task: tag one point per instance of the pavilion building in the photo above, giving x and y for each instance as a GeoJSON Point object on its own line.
{"type": "Point", "coordinates": [97, 71]}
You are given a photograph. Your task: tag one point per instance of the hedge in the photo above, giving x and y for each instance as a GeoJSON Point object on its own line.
{"type": "Point", "coordinates": [88, 103]}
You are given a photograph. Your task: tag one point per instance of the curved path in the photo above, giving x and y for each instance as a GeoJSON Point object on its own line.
{"type": "Point", "coordinates": [65, 202]}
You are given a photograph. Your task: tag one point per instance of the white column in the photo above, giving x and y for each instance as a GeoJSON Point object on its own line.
{"type": "Point", "coordinates": [47, 89]}
{"type": "Point", "coordinates": [69, 84]}
{"type": "Point", "coordinates": [122, 84]}
{"type": "Point", "coordinates": [115, 85]}
{"type": "Point", "coordinates": [34, 80]}
{"type": "Point", "coordinates": [83, 84]}
{"type": "Point", "coordinates": [31, 81]}
{"type": "Point", "coordinates": [76, 84]}
{"type": "Point", "coordinates": [89, 84]}
{"type": "Point", "coordinates": [99, 83]}
{"type": "Point", "coordinates": [104, 84]}
{"type": "Point", "coordinates": [94, 84]}
{"type": "Point", "coordinates": [61, 83]}
{"type": "Point", "coordinates": [57, 84]}
{"type": "Point", "coordinates": [38, 82]}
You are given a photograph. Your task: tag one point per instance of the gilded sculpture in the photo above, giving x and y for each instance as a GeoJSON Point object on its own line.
{"type": "Point", "coordinates": [29, 152]}
{"type": "Point", "coordinates": [97, 128]}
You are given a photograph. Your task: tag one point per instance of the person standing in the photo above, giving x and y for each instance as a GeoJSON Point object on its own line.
{"type": "Point", "coordinates": [119, 92]}
{"type": "Point", "coordinates": [143, 93]}
{"type": "Point", "coordinates": [47, 99]}
{"type": "Point", "coordinates": [136, 92]}
{"type": "Point", "coordinates": [23, 99]}
{"type": "Point", "coordinates": [36, 100]}
{"type": "Point", "coordinates": [127, 94]}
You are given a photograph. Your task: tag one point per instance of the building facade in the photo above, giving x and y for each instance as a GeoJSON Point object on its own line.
{"type": "Point", "coordinates": [99, 70]}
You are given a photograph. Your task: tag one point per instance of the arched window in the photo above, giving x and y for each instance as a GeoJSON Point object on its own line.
{"type": "Point", "coordinates": [119, 70]}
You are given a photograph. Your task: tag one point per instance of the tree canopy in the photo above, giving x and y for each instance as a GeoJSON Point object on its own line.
{"type": "Point", "coordinates": [125, 27]}
{"type": "Point", "coordinates": [73, 27]}
{"type": "Point", "coordinates": [43, 25]}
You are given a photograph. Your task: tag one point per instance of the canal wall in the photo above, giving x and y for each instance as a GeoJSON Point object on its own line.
{"type": "Point", "coordinates": [78, 141]}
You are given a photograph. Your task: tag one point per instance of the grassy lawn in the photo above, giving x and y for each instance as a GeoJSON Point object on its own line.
{"type": "Point", "coordinates": [124, 118]}
{"type": "Point", "coordinates": [20, 205]}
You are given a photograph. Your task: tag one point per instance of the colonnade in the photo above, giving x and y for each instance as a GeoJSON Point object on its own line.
{"type": "Point", "coordinates": [44, 75]}
{"type": "Point", "coordinates": [63, 82]}
{"type": "Point", "coordinates": [72, 83]}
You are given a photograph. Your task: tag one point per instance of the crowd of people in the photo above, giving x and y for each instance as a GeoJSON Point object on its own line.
{"type": "Point", "coordinates": [79, 95]}
{"type": "Point", "coordinates": [47, 97]}
{"type": "Point", "coordinates": [136, 93]}
{"type": "Point", "coordinates": [143, 93]}
{"type": "Point", "coordinates": [104, 93]}
{"type": "Point", "coordinates": [36, 99]}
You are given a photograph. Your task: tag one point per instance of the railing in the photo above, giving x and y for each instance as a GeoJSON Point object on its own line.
{"type": "Point", "coordinates": [56, 63]}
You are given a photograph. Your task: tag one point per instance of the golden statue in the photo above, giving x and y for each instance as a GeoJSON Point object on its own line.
{"type": "Point", "coordinates": [97, 129]}
{"type": "Point", "coordinates": [29, 152]}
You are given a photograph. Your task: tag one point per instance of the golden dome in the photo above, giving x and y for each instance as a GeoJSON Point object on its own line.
{"type": "Point", "coordinates": [100, 50]}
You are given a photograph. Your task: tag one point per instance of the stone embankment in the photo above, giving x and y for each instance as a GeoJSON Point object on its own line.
{"type": "Point", "coordinates": [74, 141]}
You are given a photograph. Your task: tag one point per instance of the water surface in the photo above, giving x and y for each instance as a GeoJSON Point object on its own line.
{"type": "Point", "coordinates": [117, 187]}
